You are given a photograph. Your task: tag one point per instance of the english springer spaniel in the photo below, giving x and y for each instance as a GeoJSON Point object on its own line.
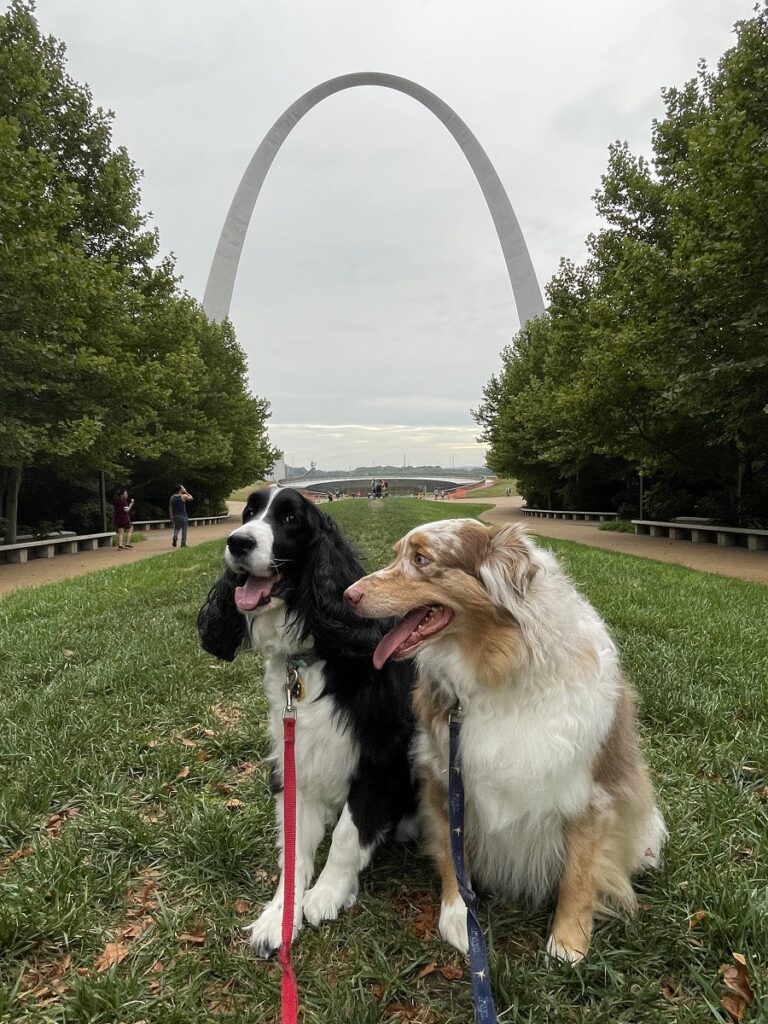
{"type": "Point", "coordinates": [282, 595]}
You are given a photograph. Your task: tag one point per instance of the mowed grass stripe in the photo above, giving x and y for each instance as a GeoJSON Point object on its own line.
{"type": "Point", "coordinates": [151, 755]}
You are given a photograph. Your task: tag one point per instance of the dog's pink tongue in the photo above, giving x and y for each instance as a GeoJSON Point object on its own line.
{"type": "Point", "coordinates": [256, 588]}
{"type": "Point", "coordinates": [390, 642]}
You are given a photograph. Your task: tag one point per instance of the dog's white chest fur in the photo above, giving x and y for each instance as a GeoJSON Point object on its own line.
{"type": "Point", "coordinates": [527, 767]}
{"type": "Point", "coordinates": [326, 755]}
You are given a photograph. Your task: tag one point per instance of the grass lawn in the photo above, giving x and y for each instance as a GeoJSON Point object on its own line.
{"type": "Point", "coordinates": [136, 827]}
{"type": "Point", "coordinates": [497, 490]}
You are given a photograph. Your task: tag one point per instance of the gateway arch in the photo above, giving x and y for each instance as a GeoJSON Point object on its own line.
{"type": "Point", "coordinates": [221, 279]}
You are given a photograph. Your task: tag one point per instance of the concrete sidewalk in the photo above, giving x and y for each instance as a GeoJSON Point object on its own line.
{"type": "Point", "coordinates": [736, 562]}
{"type": "Point", "coordinates": [158, 542]}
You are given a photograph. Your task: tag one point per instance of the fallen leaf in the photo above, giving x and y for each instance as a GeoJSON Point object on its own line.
{"type": "Point", "coordinates": [183, 773]}
{"type": "Point", "coordinates": [427, 969]}
{"type": "Point", "coordinates": [451, 972]}
{"type": "Point", "coordinates": [67, 653]}
{"type": "Point", "coordinates": [234, 804]}
{"type": "Point", "coordinates": [696, 918]}
{"type": "Point", "coordinates": [242, 906]}
{"type": "Point", "coordinates": [157, 967]}
{"type": "Point", "coordinates": [415, 1014]}
{"type": "Point", "coordinates": [56, 822]}
{"type": "Point", "coordinates": [133, 931]}
{"type": "Point", "coordinates": [192, 938]}
{"type": "Point", "coordinates": [113, 953]}
{"type": "Point", "coordinates": [739, 958]}
{"type": "Point", "coordinates": [737, 980]}
{"type": "Point", "coordinates": [734, 1005]}
{"type": "Point", "coordinates": [202, 755]}
{"type": "Point", "coordinates": [226, 716]}
{"type": "Point", "coordinates": [188, 742]}
{"type": "Point", "coordinates": [24, 851]}
{"type": "Point", "coordinates": [221, 787]}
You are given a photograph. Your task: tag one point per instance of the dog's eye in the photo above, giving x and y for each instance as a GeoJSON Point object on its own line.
{"type": "Point", "coordinates": [420, 559]}
{"type": "Point", "coordinates": [289, 518]}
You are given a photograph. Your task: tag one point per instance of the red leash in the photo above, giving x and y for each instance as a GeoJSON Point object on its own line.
{"type": "Point", "coordinates": [289, 994]}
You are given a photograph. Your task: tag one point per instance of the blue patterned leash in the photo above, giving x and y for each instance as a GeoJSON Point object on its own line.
{"type": "Point", "coordinates": [485, 1010]}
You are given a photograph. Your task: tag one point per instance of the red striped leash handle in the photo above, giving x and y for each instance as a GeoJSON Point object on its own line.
{"type": "Point", "coordinates": [289, 994]}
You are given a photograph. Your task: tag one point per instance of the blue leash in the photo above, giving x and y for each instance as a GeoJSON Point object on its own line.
{"type": "Point", "coordinates": [485, 1010]}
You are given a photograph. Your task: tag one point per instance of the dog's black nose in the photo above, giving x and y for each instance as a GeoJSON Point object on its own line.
{"type": "Point", "coordinates": [240, 544]}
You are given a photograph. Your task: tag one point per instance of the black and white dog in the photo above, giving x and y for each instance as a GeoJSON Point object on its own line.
{"type": "Point", "coordinates": [289, 566]}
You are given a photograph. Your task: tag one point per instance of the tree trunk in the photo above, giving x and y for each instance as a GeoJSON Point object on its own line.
{"type": "Point", "coordinates": [12, 503]}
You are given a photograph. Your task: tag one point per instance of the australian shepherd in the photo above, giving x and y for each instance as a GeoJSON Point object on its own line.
{"type": "Point", "coordinates": [558, 799]}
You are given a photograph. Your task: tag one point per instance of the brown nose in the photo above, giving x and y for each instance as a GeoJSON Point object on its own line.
{"type": "Point", "coordinates": [353, 594]}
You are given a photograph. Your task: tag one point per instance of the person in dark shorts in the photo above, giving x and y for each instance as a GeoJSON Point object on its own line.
{"type": "Point", "coordinates": [123, 525]}
{"type": "Point", "coordinates": [178, 514]}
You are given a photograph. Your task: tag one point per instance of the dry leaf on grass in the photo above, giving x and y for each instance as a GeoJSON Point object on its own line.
{"type": "Point", "coordinates": [226, 716]}
{"type": "Point", "coordinates": [183, 773]}
{"type": "Point", "coordinates": [696, 918]}
{"type": "Point", "coordinates": [451, 972]}
{"type": "Point", "coordinates": [740, 994]}
{"type": "Point", "coordinates": [196, 938]}
{"type": "Point", "coordinates": [25, 851]}
{"type": "Point", "coordinates": [234, 804]}
{"type": "Point", "coordinates": [242, 906]}
{"type": "Point", "coordinates": [113, 953]}
{"type": "Point", "coordinates": [54, 825]}
{"type": "Point", "coordinates": [397, 1012]}
{"type": "Point", "coordinates": [427, 969]}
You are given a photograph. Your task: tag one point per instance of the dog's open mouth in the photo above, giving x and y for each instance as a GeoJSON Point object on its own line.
{"type": "Point", "coordinates": [255, 592]}
{"type": "Point", "coordinates": [416, 627]}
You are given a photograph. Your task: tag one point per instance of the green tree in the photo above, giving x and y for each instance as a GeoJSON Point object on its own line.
{"type": "Point", "coordinates": [105, 365]}
{"type": "Point", "coordinates": [654, 355]}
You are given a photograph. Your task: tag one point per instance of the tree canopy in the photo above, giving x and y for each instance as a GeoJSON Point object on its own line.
{"type": "Point", "coordinates": [652, 357]}
{"type": "Point", "coordinates": [106, 364]}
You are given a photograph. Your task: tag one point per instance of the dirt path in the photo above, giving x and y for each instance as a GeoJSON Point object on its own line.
{"type": "Point", "coordinates": [737, 562]}
{"type": "Point", "coordinates": [49, 570]}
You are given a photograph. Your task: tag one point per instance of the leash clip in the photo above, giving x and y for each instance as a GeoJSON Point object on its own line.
{"type": "Point", "coordinates": [455, 714]}
{"type": "Point", "coordinates": [292, 687]}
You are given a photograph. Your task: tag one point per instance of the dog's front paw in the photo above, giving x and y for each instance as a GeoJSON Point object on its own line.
{"type": "Point", "coordinates": [453, 925]}
{"type": "Point", "coordinates": [266, 933]}
{"type": "Point", "coordinates": [559, 948]}
{"type": "Point", "coordinates": [323, 903]}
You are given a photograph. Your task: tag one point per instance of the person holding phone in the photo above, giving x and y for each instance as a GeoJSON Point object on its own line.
{"type": "Point", "coordinates": [178, 514]}
{"type": "Point", "coordinates": [123, 525]}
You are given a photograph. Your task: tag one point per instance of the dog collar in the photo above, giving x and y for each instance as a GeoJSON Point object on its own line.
{"type": "Point", "coordinates": [294, 682]}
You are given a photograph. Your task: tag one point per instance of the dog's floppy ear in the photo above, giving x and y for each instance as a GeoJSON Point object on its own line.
{"type": "Point", "coordinates": [219, 623]}
{"type": "Point", "coordinates": [331, 567]}
{"type": "Point", "coordinates": [508, 567]}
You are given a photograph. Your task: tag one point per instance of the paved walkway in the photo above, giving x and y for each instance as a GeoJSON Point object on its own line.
{"type": "Point", "coordinates": [737, 562]}
{"type": "Point", "coordinates": [49, 570]}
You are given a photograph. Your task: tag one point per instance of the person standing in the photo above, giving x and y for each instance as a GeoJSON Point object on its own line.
{"type": "Point", "coordinates": [178, 514]}
{"type": "Point", "coordinates": [123, 525]}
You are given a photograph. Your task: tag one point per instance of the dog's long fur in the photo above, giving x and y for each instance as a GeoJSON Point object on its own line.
{"type": "Point", "coordinates": [354, 724]}
{"type": "Point", "coordinates": [558, 799]}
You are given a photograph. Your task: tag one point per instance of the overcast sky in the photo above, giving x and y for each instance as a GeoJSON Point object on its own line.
{"type": "Point", "coordinates": [372, 298]}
